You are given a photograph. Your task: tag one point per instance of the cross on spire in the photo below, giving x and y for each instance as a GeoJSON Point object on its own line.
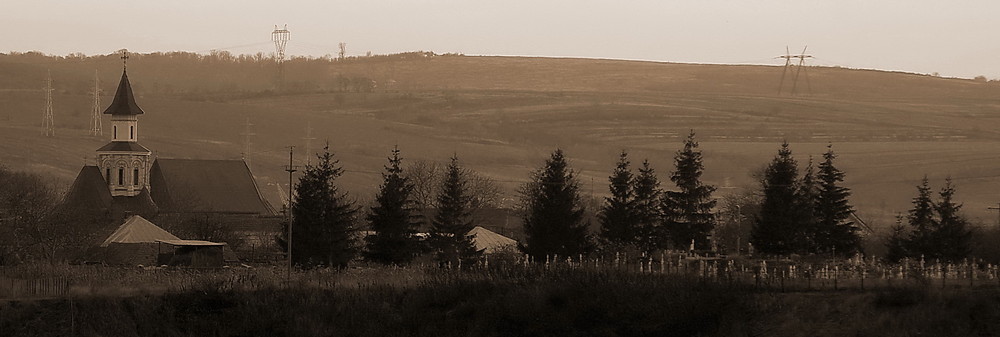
{"type": "Point", "coordinates": [124, 58]}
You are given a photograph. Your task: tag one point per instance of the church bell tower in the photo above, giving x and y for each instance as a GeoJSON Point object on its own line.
{"type": "Point", "coordinates": [124, 163]}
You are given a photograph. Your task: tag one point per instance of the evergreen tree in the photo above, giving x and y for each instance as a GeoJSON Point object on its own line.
{"type": "Point", "coordinates": [393, 218]}
{"type": "Point", "coordinates": [835, 233]}
{"type": "Point", "coordinates": [951, 236]}
{"type": "Point", "coordinates": [896, 242]}
{"type": "Point", "coordinates": [323, 218]}
{"type": "Point", "coordinates": [451, 225]}
{"type": "Point", "coordinates": [553, 212]}
{"type": "Point", "coordinates": [807, 196]}
{"type": "Point", "coordinates": [688, 211]}
{"type": "Point", "coordinates": [922, 223]}
{"type": "Point", "coordinates": [648, 197]}
{"type": "Point", "coordinates": [617, 218]}
{"type": "Point", "coordinates": [777, 227]}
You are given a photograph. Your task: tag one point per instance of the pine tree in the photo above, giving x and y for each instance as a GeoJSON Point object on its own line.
{"type": "Point", "coordinates": [921, 219]}
{"type": "Point", "coordinates": [688, 211]}
{"type": "Point", "coordinates": [648, 213]}
{"type": "Point", "coordinates": [777, 227]}
{"type": "Point", "coordinates": [451, 225]}
{"type": "Point", "coordinates": [393, 218]}
{"type": "Point", "coordinates": [323, 218]}
{"type": "Point", "coordinates": [553, 212]}
{"type": "Point", "coordinates": [951, 234]}
{"type": "Point", "coordinates": [617, 218]}
{"type": "Point", "coordinates": [835, 234]}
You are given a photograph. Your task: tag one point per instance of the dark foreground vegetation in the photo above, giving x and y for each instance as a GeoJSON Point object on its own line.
{"type": "Point", "coordinates": [508, 302]}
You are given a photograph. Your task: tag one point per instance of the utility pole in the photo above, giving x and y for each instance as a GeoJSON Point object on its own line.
{"type": "Point", "coordinates": [95, 117]}
{"type": "Point", "coordinates": [247, 133]}
{"type": "Point", "coordinates": [308, 138]}
{"type": "Point", "coordinates": [280, 38]}
{"type": "Point", "coordinates": [290, 169]}
{"type": "Point", "coordinates": [788, 64]}
{"type": "Point", "coordinates": [48, 125]}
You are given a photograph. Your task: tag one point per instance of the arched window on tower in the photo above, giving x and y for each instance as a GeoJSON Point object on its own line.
{"type": "Point", "coordinates": [107, 175]}
{"type": "Point", "coordinates": [121, 176]}
{"type": "Point", "coordinates": [135, 177]}
{"type": "Point", "coordinates": [131, 132]}
{"type": "Point", "coordinates": [115, 131]}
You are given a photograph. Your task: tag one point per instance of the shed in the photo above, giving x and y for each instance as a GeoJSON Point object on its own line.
{"type": "Point", "coordinates": [191, 253]}
{"type": "Point", "coordinates": [132, 243]}
{"type": "Point", "coordinates": [489, 241]}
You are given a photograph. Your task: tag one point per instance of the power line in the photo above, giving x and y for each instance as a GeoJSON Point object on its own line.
{"type": "Point", "coordinates": [801, 66]}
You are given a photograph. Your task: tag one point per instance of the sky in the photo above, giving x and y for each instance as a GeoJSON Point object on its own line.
{"type": "Point", "coordinates": [952, 38]}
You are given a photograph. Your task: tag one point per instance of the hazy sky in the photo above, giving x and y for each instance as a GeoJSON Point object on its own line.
{"type": "Point", "coordinates": [954, 38]}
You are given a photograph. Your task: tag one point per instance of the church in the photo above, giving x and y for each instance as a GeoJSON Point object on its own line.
{"type": "Point", "coordinates": [128, 180]}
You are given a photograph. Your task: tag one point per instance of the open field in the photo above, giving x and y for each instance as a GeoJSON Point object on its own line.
{"type": "Point", "coordinates": [503, 115]}
{"type": "Point", "coordinates": [555, 299]}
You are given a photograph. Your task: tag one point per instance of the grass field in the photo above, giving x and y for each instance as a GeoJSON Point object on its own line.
{"type": "Point", "coordinates": [530, 301]}
{"type": "Point", "coordinates": [504, 115]}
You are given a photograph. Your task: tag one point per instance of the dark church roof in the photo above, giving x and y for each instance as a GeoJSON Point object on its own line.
{"type": "Point", "coordinates": [124, 146]}
{"type": "Point", "coordinates": [90, 192]}
{"type": "Point", "coordinates": [214, 186]}
{"type": "Point", "coordinates": [124, 102]}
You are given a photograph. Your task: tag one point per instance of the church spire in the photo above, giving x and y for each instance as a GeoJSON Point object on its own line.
{"type": "Point", "coordinates": [124, 101]}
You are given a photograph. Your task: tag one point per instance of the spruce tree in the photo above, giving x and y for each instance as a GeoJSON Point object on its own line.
{"type": "Point", "coordinates": [648, 212]}
{"type": "Point", "coordinates": [393, 218]}
{"type": "Point", "coordinates": [951, 235]}
{"type": "Point", "coordinates": [688, 211]}
{"type": "Point", "coordinates": [617, 218]}
{"type": "Point", "coordinates": [323, 222]}
{"type": "Point", "coordinates": [553, 212]}
{"type": "Point", "coordinates": [835, 234]}
{"type": "Point", "coordinates": [451, 225]}
{"type": "Point", "coordinates": [777, 227]}
{"type": "Point", "coordinates": [896, 243]}
{"type": "Point", "coordinates": [922, 223]}
{"type": "Point", "coordinates": [810, 233]}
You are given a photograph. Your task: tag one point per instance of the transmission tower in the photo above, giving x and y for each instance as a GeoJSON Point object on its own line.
{"type": "Point", "coordinates": [799, 69]}
{"type": "Point", "coordinates": [280, 38]}
{"type": "Point", "coordinates": [308, 138]}
{"type": "Point", "coordinates": [343, 51]}
{"type": "Point", "coordinates": [95, 118]}
{"type": "Point", "coordinates": [247, 133]}
{"type": "Point", "coordinates": [48, 125]}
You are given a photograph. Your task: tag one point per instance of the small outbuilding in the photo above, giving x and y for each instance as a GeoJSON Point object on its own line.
{"type": "Point", "coordinates": [190, 253]}
{"type": "Point", "coordinates": [490, 242]}
{"type": "Point", "coordinates": [132, 243]}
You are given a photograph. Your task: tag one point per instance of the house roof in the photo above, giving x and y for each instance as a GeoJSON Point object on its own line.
{"type": "Point", "coordinates": [215, 186]}
{"type": "Point", "coordinates": [489, 241]}
{"type": "Point", "coordinates": [137, 229]}
{"type": "Point", "coordinates": [124, 101]}
{"type": "Point", "coordinates": [124, 147]}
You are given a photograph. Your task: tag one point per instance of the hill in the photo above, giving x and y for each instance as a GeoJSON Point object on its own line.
{"type": "Point", "coordinates": [503, 115]}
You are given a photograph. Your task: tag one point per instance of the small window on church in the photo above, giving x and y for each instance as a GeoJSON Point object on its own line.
{"type": "Point", "coordinates": [115, 128]}
{"type": "Point", "coordinates": [135, 177]}
{"type": "Point", "coordinates": [107, 175]}
{"type": "Point", "coordinates": [121, 176]}
{"type": "Point", "coordinates": [131, 132]}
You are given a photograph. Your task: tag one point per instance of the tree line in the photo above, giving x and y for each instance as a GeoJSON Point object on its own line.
{"type": "Point", "coordinates": [802, 214]}
{"type": "Point", "coordinates": [428, 210]}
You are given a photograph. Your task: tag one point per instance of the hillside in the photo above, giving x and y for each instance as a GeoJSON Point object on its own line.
{"type": "Point", "coordinates": [503, 115]}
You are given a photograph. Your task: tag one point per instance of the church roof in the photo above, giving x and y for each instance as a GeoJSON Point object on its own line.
{"type": "Point", "coordinates": [124, 147]}
{"type": "Point", "coordinates": [137, 229]}
{"type": "Point", "coordinates": [212, 186]}
{"type": "Point", "coordinates": [90, 192]}
{"type": "Point", "coordinates": [124, 102]}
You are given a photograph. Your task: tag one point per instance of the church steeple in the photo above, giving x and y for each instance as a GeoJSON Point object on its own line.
{"type": "Point", "coordinates": [124, 162]}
